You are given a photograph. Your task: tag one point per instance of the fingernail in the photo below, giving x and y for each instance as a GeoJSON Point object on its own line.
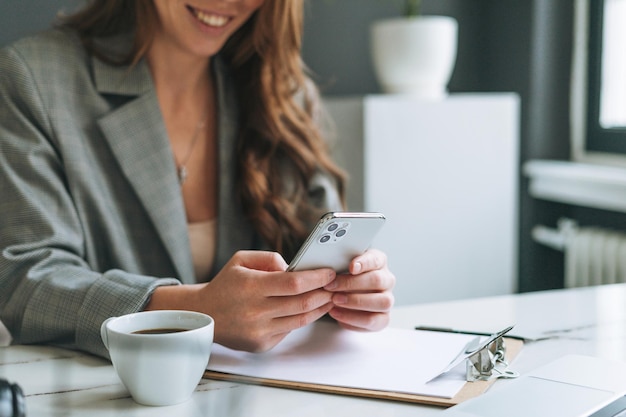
{"type": "Point", "coordinates": [357, 268]}
{"type": "Point", "coordinates": [339, 299]}
{"type": "Point", "coordinates": [336, 313]}
{"type": "Point", "coordinates": [331, 285]}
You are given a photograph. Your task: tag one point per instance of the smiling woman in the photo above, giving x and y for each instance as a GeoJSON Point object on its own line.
{"type": "Point", "coordinates": [154, 143]}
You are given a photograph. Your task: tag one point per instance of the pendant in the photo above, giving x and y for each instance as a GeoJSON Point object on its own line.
{"type": "Point", "coordinates": [182, 174]}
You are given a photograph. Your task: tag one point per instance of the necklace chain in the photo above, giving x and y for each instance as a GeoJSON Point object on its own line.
{"type": "Point", "coordinates": [182, 166]}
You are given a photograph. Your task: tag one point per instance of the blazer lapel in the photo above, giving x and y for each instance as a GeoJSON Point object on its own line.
{"type": "Point", "coordinates": [234, 231]}
{"type": "Point", "coordinates": [137, 136]}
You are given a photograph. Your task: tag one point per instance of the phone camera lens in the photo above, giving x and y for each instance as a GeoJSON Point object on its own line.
{"type": "Point", "coordinates": [333, 227]}
{"type": "Point", "coordinates": [341, 232]}
{"type": "Point", "coordinates": [324, 238]}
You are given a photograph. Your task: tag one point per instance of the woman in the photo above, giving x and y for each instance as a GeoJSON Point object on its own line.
{"type": "Point", "coordinates": [148, 151]}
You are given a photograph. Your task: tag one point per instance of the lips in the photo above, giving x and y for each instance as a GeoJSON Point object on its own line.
{"type": "Point", "coordinates": [209, 19]}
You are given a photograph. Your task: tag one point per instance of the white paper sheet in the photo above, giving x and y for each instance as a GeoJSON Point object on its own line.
{"type": "Point", "coordinates": [394, 360]}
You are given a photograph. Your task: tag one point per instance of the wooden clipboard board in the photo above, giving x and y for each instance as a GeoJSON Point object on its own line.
{"type": "Point", "coordinates": [469, 390]}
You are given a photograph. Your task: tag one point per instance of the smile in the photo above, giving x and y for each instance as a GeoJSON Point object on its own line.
{"type": "Point", "coordinates": [209, 19]}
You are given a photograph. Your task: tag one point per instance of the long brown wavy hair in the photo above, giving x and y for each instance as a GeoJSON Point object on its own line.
{"type": "Point", "coordinates": [279, 135]}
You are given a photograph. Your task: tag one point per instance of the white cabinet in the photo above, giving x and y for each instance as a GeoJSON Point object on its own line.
{"type": "Point", "coordinates": [445, 174]}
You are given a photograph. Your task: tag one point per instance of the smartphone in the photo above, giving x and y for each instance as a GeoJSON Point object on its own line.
{"type": "Point", "coordinates": [336, 239]}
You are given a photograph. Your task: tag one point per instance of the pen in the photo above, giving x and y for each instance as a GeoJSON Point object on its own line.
{"type": "Point", "coordinates": [450, 330]}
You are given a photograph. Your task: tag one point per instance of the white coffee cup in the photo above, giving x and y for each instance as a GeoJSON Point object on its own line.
{"type": "Point", "coordinates": [161, 368]}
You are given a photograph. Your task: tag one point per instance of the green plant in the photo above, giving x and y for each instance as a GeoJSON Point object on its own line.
{"type": "Point", "coordinates": [412, 7]}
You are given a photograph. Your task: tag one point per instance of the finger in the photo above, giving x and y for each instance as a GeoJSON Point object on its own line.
{"type": "Point", "coordinates": [359, 320]}
{"type": "Point", "coordinates": [371, 260]}
{"type": "Point", "coordinates": [300, 282]}
{"type": "Point", "coordinates": [289, 323]}
{"type": "Point", "coordinates": [300, 304]}
{"type": "Point", "coordinates": [368, 302]}
{"type": "Point", "coordinates": [260, 260]}
{"type": "Point", "coordinates": [373, 281]}
{"type": "Point", "coordinates": [263, 338]}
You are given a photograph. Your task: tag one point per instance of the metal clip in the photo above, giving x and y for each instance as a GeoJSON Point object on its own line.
{"type": "Point", "coordinates": [485, 359]}
{"type": "Point", "coordinates": [489, 362]}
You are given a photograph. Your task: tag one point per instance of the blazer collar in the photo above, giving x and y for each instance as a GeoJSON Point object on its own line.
{"type": "Point", "coordinates": [120, 80]}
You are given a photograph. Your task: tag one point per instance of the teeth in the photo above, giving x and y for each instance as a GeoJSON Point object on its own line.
{"type": "Point", "coordinates": [212, 19]}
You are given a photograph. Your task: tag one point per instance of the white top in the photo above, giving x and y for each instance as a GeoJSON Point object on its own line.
{"type": "Point", "coordinates": [202, 238]}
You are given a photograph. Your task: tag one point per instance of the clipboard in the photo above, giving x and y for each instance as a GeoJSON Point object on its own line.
{"type": "Point", "coordinates": [468, 390]}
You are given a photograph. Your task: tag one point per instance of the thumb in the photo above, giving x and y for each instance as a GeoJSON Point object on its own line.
{"type": "Point", "coordinates": [260, 260]}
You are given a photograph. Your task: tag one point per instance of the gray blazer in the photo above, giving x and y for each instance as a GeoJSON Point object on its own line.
{"type": "Point", "coordinates": [92, 217]}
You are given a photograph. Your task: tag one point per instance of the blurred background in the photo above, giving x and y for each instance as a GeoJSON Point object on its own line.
{"type": "Point", "coordinates": [515, 55]}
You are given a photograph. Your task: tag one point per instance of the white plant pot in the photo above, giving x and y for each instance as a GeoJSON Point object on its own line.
{"type": "Point", "coordinates": [415, 55]}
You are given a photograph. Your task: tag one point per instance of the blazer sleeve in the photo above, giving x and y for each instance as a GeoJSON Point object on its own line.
{"type": "Point", "coordinates": [48, 292]}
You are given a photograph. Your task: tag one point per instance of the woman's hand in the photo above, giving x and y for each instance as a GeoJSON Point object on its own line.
{"type": "Point", "coordinates": [253, 301]}
{"type": "Point", "coordinates": [363, 298]}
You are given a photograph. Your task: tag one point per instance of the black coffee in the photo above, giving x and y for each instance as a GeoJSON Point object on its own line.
{"type": "Point", "coordinates": [159, 331]}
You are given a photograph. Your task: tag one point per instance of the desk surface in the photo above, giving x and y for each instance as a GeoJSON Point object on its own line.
{"type": "Point", "coordinates": [589, 321]}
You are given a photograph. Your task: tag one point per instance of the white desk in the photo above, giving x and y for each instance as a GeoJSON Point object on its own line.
{"type": "Point", "coordinates": [64, 383]}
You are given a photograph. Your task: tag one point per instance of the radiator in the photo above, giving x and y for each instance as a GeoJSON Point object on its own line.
{"type": "Point", "coordinates": [593, 255]}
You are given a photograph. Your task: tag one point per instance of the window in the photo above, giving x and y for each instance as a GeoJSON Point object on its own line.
{"type": "Point", "coordinates": [605, 119]}
{"type": "Point", "coordinates": [599, 89]}
{"type": "Point", "coordinates": [612, 111]}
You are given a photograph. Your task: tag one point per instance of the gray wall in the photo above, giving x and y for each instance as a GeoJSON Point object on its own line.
{"type": "Point", "coordinates": [504, 45]}
{"type": "Point", "coordinates": [336, 42]}
{"type": "Point", "coordinates": [21, 17]}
